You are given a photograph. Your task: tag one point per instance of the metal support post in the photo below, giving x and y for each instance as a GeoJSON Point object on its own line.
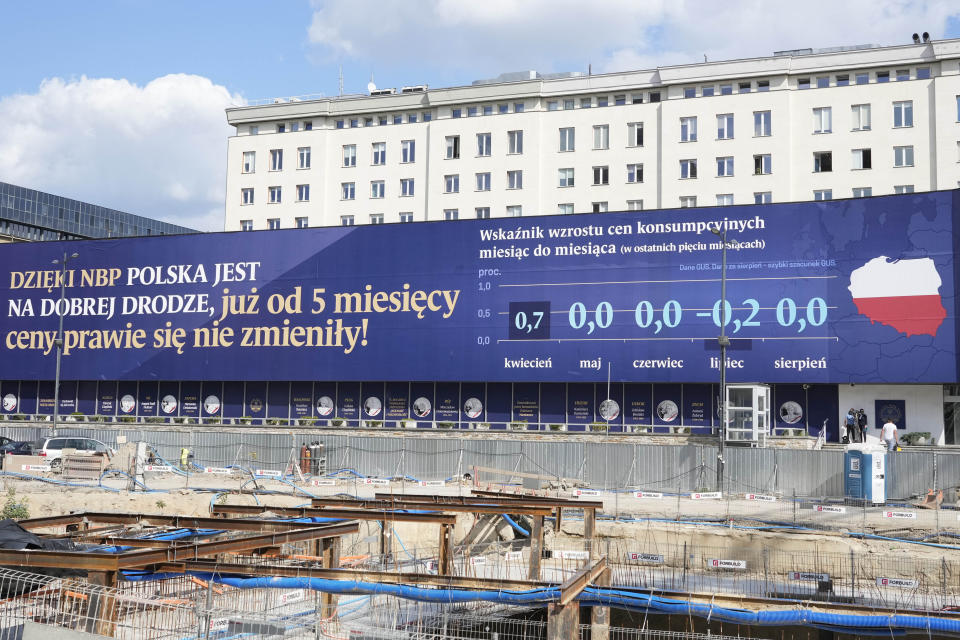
{"type": "Point", "coordinates": [330, 551]}
{"type": "Point", "coordinates": [536, 548]}
{"type": "Point", "coordinates": [589, 531]}
{"type": "Point", "coordinates": [445, 560]}
{"type": "Point", "coordinates": [563, 621]}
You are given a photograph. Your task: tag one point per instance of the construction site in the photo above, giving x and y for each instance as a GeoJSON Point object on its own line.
{"type": "Point", "coordinates": [418, 536]}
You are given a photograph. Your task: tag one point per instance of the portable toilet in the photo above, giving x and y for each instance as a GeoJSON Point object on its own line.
{"type": "Point", "coordinates": [865, 473]}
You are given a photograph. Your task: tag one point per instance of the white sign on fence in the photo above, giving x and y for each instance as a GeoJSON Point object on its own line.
{"type": "Point", "coordinates": [647, 494]}
{"type": "Point", "coordinates": [713, 495]}
{"type": "Point", "coordinates": [158, 468]}
{"type": "Point", "coordinates": [828, 509]}
{"type": "Point", "coordinates": [269, 473]}
{"type": "Point", "coordinates": [897, 582]}
{"type": "Point", "coordinates": [433, 483]}
{"type": "Point", "coordinates": [292, 596]}
{"type": "Point", "coordinates": [586, 492]}
{"type": "Point", "coordinates": [477, 560]}
{"type": "Point", "coordinates": [807, 576]}
{"type": "Point", "coordinates": [513, 555]}
{"type": "Point", "coordinates": [35, 467]}
{"type": "Point", "coordinates": [650, 558]}
{"type": "Point", "coordinates": [904, 515]}
{"type": "Point", "coordinates": [217, 470]}
{"type": "Point", "coordinates": [567, 554]}
{"type": "Point", "coordinates": [326, 482]}
{"type": "Point", "coordinates": [219, 624]}
{"type": "Point", "coordinates": [761, 497]}
{"type": "Point", "coordinates": [718, 563]}
{"type": "Point", "coordinates": [376, 481]}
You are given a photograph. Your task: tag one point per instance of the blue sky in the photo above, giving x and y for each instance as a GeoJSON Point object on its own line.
{"type": "Point", "coordinates": [120, 102]}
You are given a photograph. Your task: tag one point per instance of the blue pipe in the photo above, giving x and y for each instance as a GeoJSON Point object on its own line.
{"type": "Point", "coordinates": [516, 527]}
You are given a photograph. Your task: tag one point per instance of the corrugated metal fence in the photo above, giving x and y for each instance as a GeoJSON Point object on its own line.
{"type": "Point", "coordinates": [668, 468]}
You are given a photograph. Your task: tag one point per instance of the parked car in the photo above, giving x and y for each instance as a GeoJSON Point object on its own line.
{"type": "Point", "coordinates": [50, 450]}
{"type": "Point", "coordinates": [17, 448]}
{"type": "Point", "coordinates": [5, 441]}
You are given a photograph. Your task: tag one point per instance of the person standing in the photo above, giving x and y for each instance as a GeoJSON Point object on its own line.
{"type": "Point", "coordinates": [889, 435]}
{"type": "Point", "coordinates": [850, 424]}
{"type": "Point", "coordinates": [862, 424]}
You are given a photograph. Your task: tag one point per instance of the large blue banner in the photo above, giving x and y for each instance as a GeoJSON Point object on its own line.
{"type": "Point", "coordinates": [846, 291]}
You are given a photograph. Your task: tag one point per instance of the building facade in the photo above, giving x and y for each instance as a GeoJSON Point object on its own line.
{"type": "Point", "coordinates": [31, 215]}
{"type": "Point", "coordinates": [796, 126]}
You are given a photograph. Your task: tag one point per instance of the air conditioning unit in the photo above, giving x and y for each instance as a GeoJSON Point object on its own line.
{"type": "Point", "coordinates": [420, 88]}
{"type": "Point", "coordinates": [383, 92]}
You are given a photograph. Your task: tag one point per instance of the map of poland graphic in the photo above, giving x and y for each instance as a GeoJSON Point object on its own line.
{"type": "Point", "coordinates": [903, 294]}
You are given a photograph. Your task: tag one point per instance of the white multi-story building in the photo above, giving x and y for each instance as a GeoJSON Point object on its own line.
{"type": "Point", "coordinates": [799, 125]}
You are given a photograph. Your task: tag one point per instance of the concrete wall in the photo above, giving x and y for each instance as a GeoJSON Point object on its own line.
{"type": "Point", "coordinates": [924, 405]}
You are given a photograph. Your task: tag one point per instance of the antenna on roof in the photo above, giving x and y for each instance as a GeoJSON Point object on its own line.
{"type": "Point", "coordinates": [340, 94]}
{"type": "Point", "coordinates": [371, 87]}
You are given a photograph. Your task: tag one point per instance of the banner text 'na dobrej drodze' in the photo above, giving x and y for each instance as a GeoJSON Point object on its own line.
{"type": "Point", "coordinates": [856, 290]}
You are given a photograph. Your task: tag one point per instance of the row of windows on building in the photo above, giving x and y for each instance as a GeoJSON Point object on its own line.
{"type": "Point", "coordinates": [516, 211]}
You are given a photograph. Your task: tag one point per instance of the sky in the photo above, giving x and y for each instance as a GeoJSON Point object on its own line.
{"type": "Point", "coordinates": [121, 102]}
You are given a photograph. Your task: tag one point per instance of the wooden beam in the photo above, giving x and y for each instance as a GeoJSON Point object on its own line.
{"type": "Point", "coordinates": [186, 522]}
{"type": "Point", "coordinates": [331, 560]}
{"type": "Point", "coordinates": [575, 584]}
{"type": "Point", "coordinates": [346, 514]}
{"type": "Point", "coordinates": [445, 556]}
{"type": "Point", "coordinates": [536, 548]}
{"type": "Point", "coordinates": [563, 621]}
{"type": "Point", "coordinates": [488, 498]}
{"type": "Point", "coordinates": [590, 531]}
{"type": "Point", "coordinates": [386, 505]}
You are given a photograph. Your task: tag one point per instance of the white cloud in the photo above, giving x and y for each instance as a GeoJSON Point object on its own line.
{"type": "Point", "coordinates": [157, 150]}
{"type": "Point", "coordinates": [482, 39]}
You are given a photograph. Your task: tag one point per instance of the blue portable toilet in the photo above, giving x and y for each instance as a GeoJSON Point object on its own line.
{"type": "Point", "coordinates": [865, 473]}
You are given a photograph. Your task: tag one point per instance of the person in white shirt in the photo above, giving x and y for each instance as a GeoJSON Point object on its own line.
{"type": "Point", "coordinates": [889, 435]}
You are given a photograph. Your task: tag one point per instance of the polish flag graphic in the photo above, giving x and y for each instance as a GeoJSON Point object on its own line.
{"type": "Point", "coordinates": [903, 294]}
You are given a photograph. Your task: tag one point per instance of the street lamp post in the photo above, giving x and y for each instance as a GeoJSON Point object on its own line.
{"type": "Point", "coordinates": [724, 342]}
{"type": "Point", "coordinates": [59, 340]}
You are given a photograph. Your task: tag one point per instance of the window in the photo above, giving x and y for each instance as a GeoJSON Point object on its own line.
{"type": "Point", "coordinates": [246, 196]}
{"type": "Point", "coordinates": [903, 74]}
{"type": "Point", "coordinates": [823, 194]}
{"type": "Point", "coordinates": [339, 124]}
{"type": "Point", "coordinates": [568, 103]}
{"type": "Point", "coordinates": [483, 144]}
{"type": "Point", "coordinates": [634, 205]}
{"type": "Point", "coordinates": [883, 76]}
{"type": "Point", "coordinates": [803, 83]}
{"type": "Point", "coordinates": [273, 223]}
{"type": "Point", "coordinates": [688, 169]}
{"type": "Point", "coordinates": [586, 103]}
{"type": "Point", "coordinates": [254, 130]}
{"type": "Point", "coordinates": [823, 82]}
{"type": "Point", "coordinates": [862, 78]}
{"type": "Point", "coordinates": [620, 99]}
{"type": "Point", "coordinates": [923, 73]}
{"type": "Point", "coordinates": [302, 222]}
{"type": "Point", "coordinates": [406, 216]}
{"type": "Point", "coordinates": [246, 225]}
{"type": "Point", "coordinates": [688, 129]}
{"type": "Point", "coordinates": [763, 85]}
{"type": "Point", "coordinates": [762, 163]}
{"type": "Point", "coordinates": [903, 188]}
{"type": "Point", "coordinates": [249, 161]}
{"type": "Point", "coordinates": [346, 221]}
{"type": "Point", "coordinates": [275, 195]}
{"type": "Point", "coordinates": [518, 107]}
{"type": "Point", "coordinates": [354, 123]}
{"type": "Point", "coordinates": [601, 175]}
{"type": "Point", "coordinates": [377, 189]}
{"type": "Point", "coordinates": [514, 179]}
{"type": "Point", "coordinates": [690, 92]}
{"type": "Point", "coordinates": [861, 117]}
{"type": "Point", "coordinates": [567, 142]}
{"type": "Point", "coordinates": [861, 159]}
{"type": "Point", "coordinates": [457, 113]}
{"type": "Point", "coordinates": [822, 161]}
{"type": "Point", "coordinates": [822, 120]}
{"type": "Point", "coordinates": [688, 201]}
{"type": "Point", "coordinates": [483, 181]}
{"type": "Point", "coordinates": [761, 123]}
{"type": "Point", "coordinates": [565, 208]}
{"type": "Point", "coordinates": [862, 192]}
{"type": "Point", "coordinates": [379, 153]}
{"type": "Point", "coordinates": [726, 89]}
{"type": "Point", "coordinates": [451, 214]}
{"type": "Point", "coordinates": [601, 136]}
{"type": "Point", "coordinates": [635, 134]}
{"type": "Point", "coordinates": [903, 156]}
{"type": "Point", "coordinates": [349, 155]}
{"type": "Point", "coordinates": [566, 177]}
{"type": "Point", "coordinates": [303, 193]}
{"type": "Point", "coordinates": [762, 197]}
{"type": "Point", "coordinates": [398, 118]}
{"type": "Point", "coordinates": [724, 166]}
{"type": "Point", "coordinates": [294, 126]}
{"type": "Point", "coordinates": [303, 157]}
{"type": "Point", "coordinates": [654, 96]}
{"type": "Point", "coordinates": [482, 213]}
{"type": "Point", "coordinates": [514, 211]}
{"type": "Point", "coordinates": [514, 141]}
{"type": "Point", "coordinates": [453, 147]}
{"type": "Point", "coordinates": [276, 160]}
{"type": "Point", "coordinates": [725, 126]}
{"type": "Point", "coordinates": [553, 105]}
{"type": "Point", "coordinates": [724, 199]}
{"type": "Point", "coordinates": [634, 173]}
{"type": "Point", "coordinates": [376, 218]}
{"type": "Point", "coordinates": [347, 190]}
{"type": "Point", "coordinates": [503, 108]}
{"type": "Point", "coordinates": [408, 150]}
{"type": "Point", "coordinates": [472, 112]}
{"type": "Point", "coordinates": [743, 87]}
{"type": "Point", "coordinates": [598, 207]}
{"type": "Point", "coordinates": [903, 113]}
{"type": "Point", "coordinates": [601, 101]}
{"type": "Point", "coordinates": [843, 80]}
{"type": "Point", "coordinates": [427, 116]}
{"type": "Point", "coordinates": [451, 183]}
{"type": "Point", "coordinates": [406, 187]}
{"type": "Point", "coordinates": [281, 128]}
